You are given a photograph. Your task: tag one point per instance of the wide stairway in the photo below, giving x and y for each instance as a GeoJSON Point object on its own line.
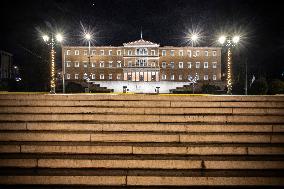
{"type": "Point", "coordinates": [141, 141]}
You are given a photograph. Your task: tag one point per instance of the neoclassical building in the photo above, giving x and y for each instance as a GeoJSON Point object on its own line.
{"type": "Point", "coordinates": [141, 66]}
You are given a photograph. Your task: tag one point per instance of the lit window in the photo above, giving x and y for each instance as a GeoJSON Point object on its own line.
{"type": "Point", "coordinates": [164, 53]}
{"type": "Point", "coordinates": [197, 53]}
{"type": "Point", "coordinates": [205, 64]}
{"type": "Point", "coordinates": [197, 65]}
{"type": "Point", "coordinates": [102, 64]}
{"type": "Point", "coordinates": [76, 76]}
{"type": "Point", "coordinates": [68, 52]}
{"type": "Point", "coordinates": [102, 52]}
{"type": "Point", "coordinates": [206, 53]}
{"type": "Point", "coordinates": [214, 53]}
{"type": "Point", "coordinates": [164, 64]}
{"type": "Point", "coordinates": [189, 65]}
{"type": "Point", "coordinates": [102, 76]}
{"type": "Point", "coordinates": [77, 64]}
{"type": "Point", "coordinates": [205, 77]}
{"type": "Point", "coordinates": [172, 77]}
{"type": "Point", "coordinates": [93, 76]}
{"type": "Point", "coordinates": [85, 52]}
{"type": "Point", "coordinates": [180, 77]}
{"type": "Point", "coordinates": [110, 52]}
{"type": "Point", "coordinates": [118, 77]}
{"type": "Point", "coordinates": [214, 64]}
{"type": "Point", "coordinates": [164, 77]}
{"type": "Point", "coordinates": [153, 53]}
{"type": "Point", "coordinates": [110, 64]}
{"type": "Point", "coordinates": [172, 65]}
{"type": "Point", "coordinates": [189, 53]}
{"type": "Point", "coordinates": [93, 64]}
{"type": "Point", "coordinates": [180, 53]}
{"type": "Point", "coordinates": [110, 76]}
{"type": "Point", "coordinates": [85, 64]}
{"type": "Point", "coordinates": [214, 77]}
{"type": "Point", "coordinates": [76, 52]}
{"type": "Point", "coordinates": [118, 64]}
{"type": "Point", "coordinates": [172, 52]}
{"type": "Point", "coordinates": [68, 63]}
{"type": "Point", "coordinates": [93, 52]}
{"type": "Point", "coordinates": [118, 52]}
{"type": "Point", "coordinates": [68, 76]}
{"type": "Point", "coordinates": [180, 64]}
{"type": "Point", "coordinates": [129, 52]}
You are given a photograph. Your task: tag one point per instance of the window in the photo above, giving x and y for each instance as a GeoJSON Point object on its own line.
{"type": "Point", "coordinates": [164, 77]}
{"type": "Point", "coordinates": [85, 52]}
{"type": "Point", "coordinates": [110, 52]}
{"type": "Point", "coordinates": [164, 64]}
{"type": "Point", "coordinates": [172, 52]}
{"type": "Point", "coordinates": [68, 52]}
{"type": "Point", "coordinates": [214, 53]}
{"type": "Point", "coordinates": [180, 77]}
{"type": "Point", "coordinates": [129, 63]}
{"type": "Point", "coordinates": [118, 64]}
{"type": "Point", "coordinates": [172, 77]}
{"type": "Point", "coordinates": [77, 64]}
{"type": "Point", "coordinates": [118, 77]}
{"type": "Point", "coordinates": [153, 53]}
{"type": "Point", "coordinates": [206, 53]}
{"type": "Point", "coordinates": [93, 52]}
{"type": "Point", "coordinates": [164, 53]}
{"type": "Point", "coordinates": [129, 77]}
{"type": "Point", "coordinates": [85, 64]}
{"type": "Point", "coordinates": [76, 52]}
{"type": "Point", "coordinates": [118, 52]}
{"type": "Point", "coordinates": [189, 53]}
{"type": "Point", "coordinates": [110, 76]}
{"type": "Point", "coordinates": [180, 64]}
{"type": "Point", "coordinates": [68, 64]}
{"type": "Point", "coordinates": [129, 52]}
{"type": "Point", "coordinates": [214, 77]}
{"type": "Point", "coordinates": [76, 76]}
{"type": "Point", "coordinates": [68, 76]}
{"type": "Point", "coordinates": [197, 53]}
{"type": "Point", "coordinates": [102, 52]}
{"type": "Point", "coordinates": [93, 76]}
{"type": "Point", "coordinates": [205, 77]}
{"type": "Point", "coordinates": [102, 64]}
{"type": "Point", "coordinates": [102, 76]}
{"type": "Point", "coordinates": [172, 65]}
{"type": "Point", "coordinates": [180, 53]}
{"type": "Point", "coordinates": [197, 65]}
{"type": "Point", "coordinates": [85, 76]}
{"type": "Point", "coordinates": [153, 64]}
{"type": "Point", "coordinates": [189, 65]}
{"type": "Point", "coordinates": [214, 64]}
{"type": "Point", "coordinates": [205, 64]}
{"type": "Point", "coordinates": [110, 64]}
{"type": "Point", "coordinates": [93, 64]}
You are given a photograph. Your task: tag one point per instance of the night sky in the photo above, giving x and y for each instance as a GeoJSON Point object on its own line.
{"type": "Point", "coordinates": [163, 21]}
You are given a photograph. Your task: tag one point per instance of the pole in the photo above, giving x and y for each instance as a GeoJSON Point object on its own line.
{"type": "Point", "coordinates": [52, 82]}
{"type": "Point", "coordinates": [229, 74]}
{"type": "Point", "coordinates": [63, 77]}
{"type": "Point", "coordinates": [246, 82]}
{"type": "Point", "coordinates": [89, 63]}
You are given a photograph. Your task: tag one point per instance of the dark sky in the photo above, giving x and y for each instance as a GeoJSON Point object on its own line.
{"type": "Point", "coordinates": [163, 21]}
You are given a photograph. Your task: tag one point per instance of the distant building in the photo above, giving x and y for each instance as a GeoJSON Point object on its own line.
{"type": "Point", "coordinates": [142, 66]}
{"type": "Point", "coordinates": [6, 65]}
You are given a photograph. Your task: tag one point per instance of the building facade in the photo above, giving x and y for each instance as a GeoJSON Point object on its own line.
{"type": "Point", "coordinates": [141, 66]}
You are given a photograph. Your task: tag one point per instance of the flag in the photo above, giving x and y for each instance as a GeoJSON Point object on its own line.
{"type": "Point", "coordinates": [252, 80]}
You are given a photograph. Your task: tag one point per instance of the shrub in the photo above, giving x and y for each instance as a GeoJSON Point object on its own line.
{"type": "Point", "coordinates": [74, 88]}
{"type": "Point", "coordinates": [276, 86]}
{"type": "Point", "coordinates": [259, 87]}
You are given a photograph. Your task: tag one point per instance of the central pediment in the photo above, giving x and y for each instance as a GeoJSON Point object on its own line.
{"type": "Point", "coordinates": [141, 43]}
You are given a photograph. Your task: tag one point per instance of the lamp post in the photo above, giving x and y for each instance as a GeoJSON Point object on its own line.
{"type": "Point", "coordinates": [52, 42]}
{"type": "Point", "coordinates": [88, 37]}
{"type": "Point", "coordinates": [193, 81]}
{"type": "Point", "coordinates": [229, 42]}
{"type": "Point", "coordinates": [193, 38]}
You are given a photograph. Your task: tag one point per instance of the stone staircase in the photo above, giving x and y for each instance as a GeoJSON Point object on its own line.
{"type": "Point", "coordinates": [141, 141]}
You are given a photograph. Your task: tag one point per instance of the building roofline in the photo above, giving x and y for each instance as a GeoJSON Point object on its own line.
{"type": "Point", "coordinates": [173, 47]}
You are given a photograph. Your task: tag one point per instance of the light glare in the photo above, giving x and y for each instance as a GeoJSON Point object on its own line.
{"type": "Point", "coordinates": [194, 37]}
{"type": "Point", "coordinates": [236, 39]}
{"type": "Point", "coordinates": [59, 37]}
{"type": "Point", "coordinates": [88, 36]}
{"type": "Point", "coordinates": [222, 39]}
{"type": "Point", "coordinates": [45, 38]}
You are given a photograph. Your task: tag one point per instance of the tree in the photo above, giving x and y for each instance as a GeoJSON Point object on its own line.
{"type": "Point", "coordinates": [276, 86]}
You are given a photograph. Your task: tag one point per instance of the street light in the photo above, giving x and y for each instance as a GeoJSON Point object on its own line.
{"type": "Point", "coordinates": [194, 38]}
{"type": "Point", "coordinates": [229, 42]}
{"type": "Point", "coordinates": [52, 43]}
{"type": "Point", "coordinates": [88, 37]}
